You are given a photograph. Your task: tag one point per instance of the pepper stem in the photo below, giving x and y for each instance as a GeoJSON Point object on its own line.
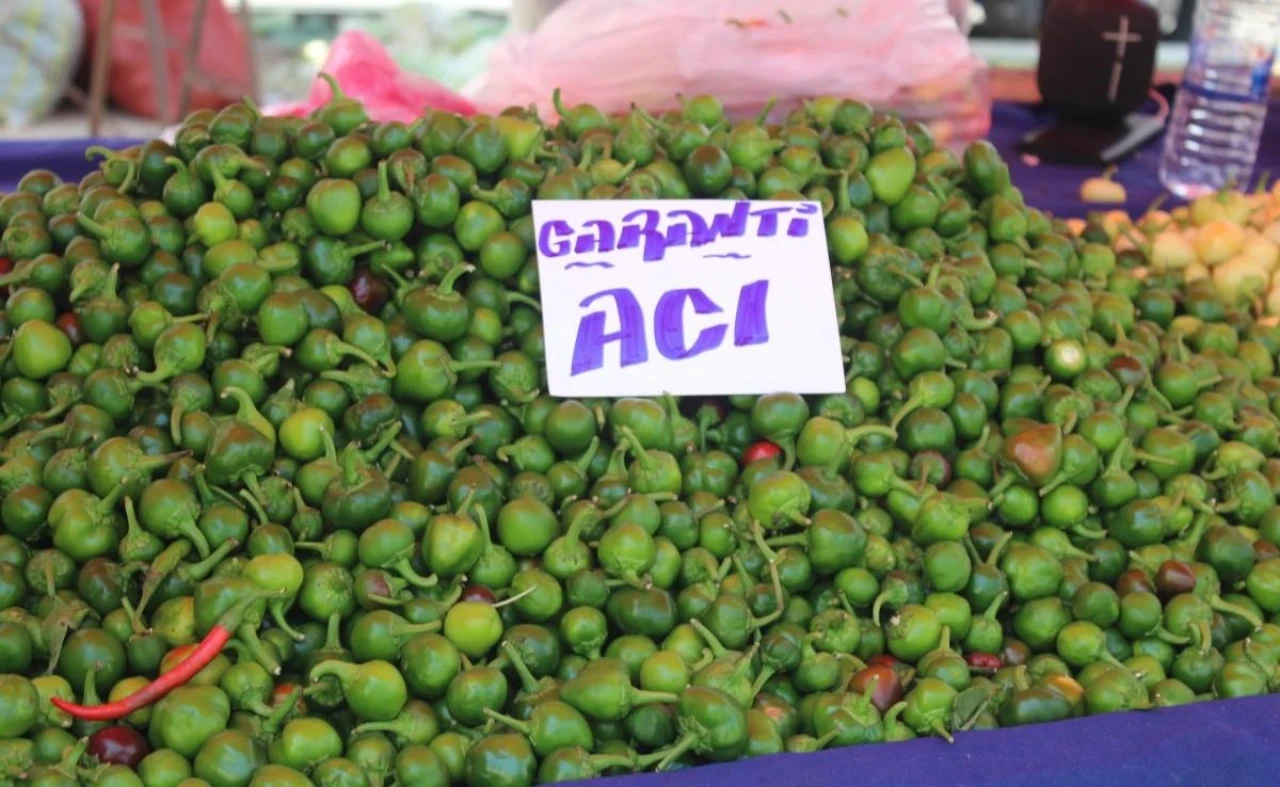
{"type": "Point", "coordinates": [384, 188]}
{"type": "Point", "coordinates": [94, 228]}
{"type": "Point", "coordinates": [878, 605]}
{"type": "Point", "coordinates": [350, 465]}
{"type": "Point", "coordinates": [205, 566]}
{"type": "Point", "coordinates": [643, 697]}
{"type": "Point", "coordinates": [1168, 636]}
{"type": "Point", "coordinates": [994, 608]}
{"type": "Point", "coordinates": [527, 680]}
{"type": "Point", "coordinates": [464, 366]}
{"type": "Point", "coordinates": [757, 686]}
{"type": "Point", "coordinates": [795, 540]}
{"type": "Point", "coordinates": [713, 642]}
{"type": "Point", "coordinates": [142, 467]}
{"type": "Point", "coordinates": [583, 463]}
{"type": "Point", "coordinates": [276, 606]}
{"type": "Point", "coordinates": [561, 109]}
{"type": "Point", "coordinates": [90, 694]}
{"type": "Point", "coordinates": [405, 570]}
{"type": "Point", "coordinates": [342, 670]}
{"type": "Point", "coordinates": [664, 757]}
{"type": "Point", "coordinates": [483, 519]}
{"type": "Point", "coordinates": [451, 276]}
{"type": "Point", "coordinates": [71, 760]}
{"type": "Point", "coordinates": [175, 423]}
{"type": "Point", "coordinates": [525, 300]}
{"type": "Point", "coordinates": [161, 566]}
{"type": "Point", "coordinates": [1226, 607]}
{"type": "Point", "coordinates": [857, 433]}
{"type": "Point", "coordinates": [107, 503]}
{"type": "Point", "coordinates": [1084, 531]}
{"type": "Point", "coordinates": [516, 597]}
{"type": "Point", "coordinates": [248, 636]}
{"type": "Point", "coordinates": [19, 274]}
{"type": "Point", "coordinates": [365, 248]}
{"type": "Point", "coordinates": [993, 556]}
{"type": "Point", "coordinates": [220, 181]}
{"type": "Point", "coordinates": [255, 506]}
{"type": "Point", "coordinates": [233, 617]}
{"type": "Point", "coordinates": [508, 721]}
{"type": "Point", "coordinates": [638, 451]}
{"type": "Point", "coordinates": [250, 481]}
{"type": "Point", "coordinates": [940, 730]}
{"type": "Point", "coordinates": [1203, 637]}
{"type": "Point", "coordinates": [334, 89]}
{"type": "Point", "coordinates": [843, 206]}
{"type": "Point", "coordinates": [763, 117]}
{"type": "Point", "coordinates": [95, 151]}
{"type": "Point", "coordinates": [603, 762]}
{"type": "Point", "coordinates": [277, 716]}
{"type": "Point", "coordinates": [385, 439]}
{"type": "Point", "coordinates": [248, 412]}
{"type": "Point", "coordinates": [403, 285]}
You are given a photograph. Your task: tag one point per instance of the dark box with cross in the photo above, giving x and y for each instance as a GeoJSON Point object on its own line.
{"type": "Point", "coordinates": [1097, 57]}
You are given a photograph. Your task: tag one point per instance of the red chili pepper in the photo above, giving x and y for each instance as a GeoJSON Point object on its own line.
{"type": "Point", "coordinates": [1175, 578]}
{"type": "Point", "coordinates": [205, 652]}
{"type": "Point", "coordinates": [888, 690]}
{"type": "Point", "coordinates": [985, 662]}
{"type": "Point", "coordinates": [882, 659]}
{"type": "Point", "coordinates": [369, 291]}
{"type": "Point", "coordinates": [201, 655]}
{"type": "Point", "coordinates": [763, 449]}
{"type": "Point", "coordinates": [176, 656]}
{"type": "Point", "coordinates": [69, 322]}
{"type": "Point", "coordinates": [478, 593]}
{"type": "Point", "coordinates": [118, 745]}
{"type": "Point", "coordinates": [284, 693]}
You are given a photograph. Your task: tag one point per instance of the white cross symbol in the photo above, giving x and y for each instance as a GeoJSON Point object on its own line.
{"type": "Point", "coordinates": [1122, 37]}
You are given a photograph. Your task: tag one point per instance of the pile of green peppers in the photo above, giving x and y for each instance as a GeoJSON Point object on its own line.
{"type": "Point", "coordinates": [286, 375]}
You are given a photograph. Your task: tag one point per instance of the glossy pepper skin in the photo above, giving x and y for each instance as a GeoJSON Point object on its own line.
{"type": "Point", "coordinates": [284, 498]}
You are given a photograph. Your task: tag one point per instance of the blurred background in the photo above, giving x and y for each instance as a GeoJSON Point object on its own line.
{"type": "Point", "coordinates": [448, 41]}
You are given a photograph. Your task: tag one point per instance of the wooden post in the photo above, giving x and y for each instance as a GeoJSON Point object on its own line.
{"type": "Point", "coordinates": [193, 48]}
{"type": "Point", "coordinates": [159, 48]}
{"type": "Point", "coordinates": [255, 90]}
{"type": "Point", "coordinates": [101, 64]}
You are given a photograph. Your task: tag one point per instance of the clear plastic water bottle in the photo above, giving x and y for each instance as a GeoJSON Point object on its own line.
{"type": "Point", "coordinates": [1217, 119]}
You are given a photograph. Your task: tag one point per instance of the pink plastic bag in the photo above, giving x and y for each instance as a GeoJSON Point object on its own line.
{"type": "Point", "coordinates": [893, 54]}
{"type": "Point", "coordinates": [365, 71]}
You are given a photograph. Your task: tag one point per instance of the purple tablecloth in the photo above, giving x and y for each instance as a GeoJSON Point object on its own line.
{"type": "Point", "coordinates": [1049, 187]}
{"type": "Point", "coordinates": [1056, 189]}
{"type": "Point", "coordinates": [1052, 188]}
{"type": "Point", "coordinates": [1218, 743]}
{"type": "Point", "coordinates": [63, 156]}
{"type": "Point", "coordinates": [1234, 742]}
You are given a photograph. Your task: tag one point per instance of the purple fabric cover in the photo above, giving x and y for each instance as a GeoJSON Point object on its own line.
{"type": "Point", "coordinates": [1235, 742]}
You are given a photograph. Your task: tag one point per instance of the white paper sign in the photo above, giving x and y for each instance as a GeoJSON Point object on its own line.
{"type": "Point", "coordinates": [688, 297]}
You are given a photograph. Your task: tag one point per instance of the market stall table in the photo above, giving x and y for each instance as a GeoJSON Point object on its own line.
{"type": "Point", "coordinates": [1235, 742]}
{"type": "Point", "coordinates": [1232, 742]}
{"type": "Point", "coordinates": [1056, 188]}
{"type": "Point", "coordinates": [1053, 188]}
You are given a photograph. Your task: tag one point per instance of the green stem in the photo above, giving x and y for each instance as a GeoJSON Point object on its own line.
{"type": "Point", "coordinates": [94, 228]}
{"type": "Point", "coordinates": [445, 287]}
{"type": "Point", "coordinates": [713, 642]}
